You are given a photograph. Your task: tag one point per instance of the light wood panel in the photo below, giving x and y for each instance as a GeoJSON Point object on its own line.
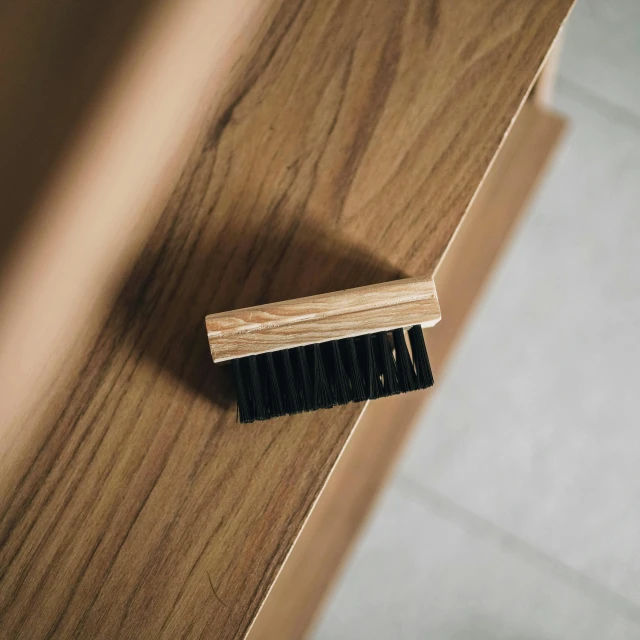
{"type": "Point", "coordinates": [382, 431]}
{"type": "Point", "coordinates": [329, 316]}
{"type": "Point", "coordinates": [543, 90]}
{"type": "Point", "coordinates": [345, 154]}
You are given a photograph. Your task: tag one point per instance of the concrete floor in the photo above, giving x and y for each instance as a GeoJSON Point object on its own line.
{"type": "Point", "coordinates": [515, 512]}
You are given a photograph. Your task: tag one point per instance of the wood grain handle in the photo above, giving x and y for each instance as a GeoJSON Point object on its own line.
{"type": "Point", "coordinates": [329, 316]}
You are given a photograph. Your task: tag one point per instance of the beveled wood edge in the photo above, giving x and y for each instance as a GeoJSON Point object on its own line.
{"type": "Point", "coordinates": [543, 90]}
{"type": "Point", "coordinates": [315, 319]}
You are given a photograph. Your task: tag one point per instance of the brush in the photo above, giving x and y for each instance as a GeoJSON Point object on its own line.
{"type": "Point", "coordinates": [327, 350]}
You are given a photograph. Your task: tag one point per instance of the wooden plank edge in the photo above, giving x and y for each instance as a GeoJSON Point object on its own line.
{"type": "Point", "coordinates": [329, 531]}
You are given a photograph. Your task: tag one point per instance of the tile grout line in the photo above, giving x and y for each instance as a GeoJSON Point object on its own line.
{"type": "Point", "coordinates": [609, 109]}
{"type": "Point", "coordinates": [474, 523]}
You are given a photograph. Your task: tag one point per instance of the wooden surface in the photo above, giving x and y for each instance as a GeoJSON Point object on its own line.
{"type": "Point", "coordinates": [328, 316]}
{"type": "Point", "coordinates": [345, 154]}
{"type": "Point", "coordinates": [79, 231]}
{"type": "Point", "coordinates": [382, 431]}
{"type": "Point", "coordinates": [53, 63]}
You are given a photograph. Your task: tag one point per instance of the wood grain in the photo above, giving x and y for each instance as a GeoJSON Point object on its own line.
{"type": "Point", "coordinates": [328, 316]}
{"type": "Point", "coordinates": [345, 154]}
{"type": "Point", "coordinates": [382, 431]}
{"type": "Point", "coordinates": [94, 212]}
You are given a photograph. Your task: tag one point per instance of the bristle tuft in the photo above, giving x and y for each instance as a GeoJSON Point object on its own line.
{"type": "Point", "coordinates": [305, 385]}
{"type": "Point", "coordinates": [259, 409]}
{"type": "Point", "coordinates": [272, 386]}
{"type": "Point", "coordinates": [407, 379]}
{"type": "Point", "coordinates": [387, 364]}
{"type": "Point", "coordinates": [355, 374]}
{"type": "Point", "coordinates": [245, 410]}
{"type": "Point", "coordinates": [322, 396]}
{"type": "Point", "coordinates": [291, 398]}
{"type": "Point", "coordinates": [420, 357]}
{"type": "Point", "coordinates": [342, 384]}
{"type": "Point", "coordinates": [369, 364]}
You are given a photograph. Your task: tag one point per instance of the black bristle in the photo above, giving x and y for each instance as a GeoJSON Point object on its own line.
{"type": "Point", "coordinates": [322, 397]}
{"type": "Point", "coordinates": [245, 410]}
{"type": "Point", "coordinates": [342, 371]}
{"type": "Point", "coordinates": [254, 388]}
{"type": "Point", "coordinates": [369, 365]}
{"type": "Point", "coordinates": [342, 386]}
{"type": "Point", "coordinates": [420, 357]}
{"type": "Point", "coordinates": [303, 379]}
{"type": "Point", "coordinates": [291, 398]}
{"type": "Point", "coordinates": [387, 364]}
{"type": "Point", "coordinates": [272, 386]}
{"type": "Point", "coordinates": [348, 346]}
{"type": "Point", "coordinates": [327, 361]}
{"type": "Point", "coordinates": [407, 378]}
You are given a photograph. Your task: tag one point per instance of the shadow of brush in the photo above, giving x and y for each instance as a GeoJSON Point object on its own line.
{"type": "Point", "coordinates": [179, 279]}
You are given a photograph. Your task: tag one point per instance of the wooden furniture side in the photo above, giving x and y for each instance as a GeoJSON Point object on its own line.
{"type": "Point", "coordinates": [344, 153]}
{"type": "Point", "coordinates": [368, 457]}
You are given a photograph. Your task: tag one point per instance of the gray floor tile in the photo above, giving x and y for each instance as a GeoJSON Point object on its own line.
{"type": "Point", "coordinates": [602, 50]}
{"type": "Point", "coordinates": [420, 574]}
{"type": "Point", "coordinates": [536, 427]}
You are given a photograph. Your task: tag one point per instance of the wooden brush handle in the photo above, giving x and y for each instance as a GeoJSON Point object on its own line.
{"type": "Point", "coordinates": [329, 316]}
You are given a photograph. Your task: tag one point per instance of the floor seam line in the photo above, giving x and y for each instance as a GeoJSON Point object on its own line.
{"type": "Point", "coordinates": [477, 524]}
{"type": "Point", "coordinates": [618, 113]}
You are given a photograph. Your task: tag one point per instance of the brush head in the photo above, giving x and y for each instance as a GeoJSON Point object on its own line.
{"type": "Point", "coordinates": [338, 372]}
{"type": "Point", "coordinates": [327, 350]}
